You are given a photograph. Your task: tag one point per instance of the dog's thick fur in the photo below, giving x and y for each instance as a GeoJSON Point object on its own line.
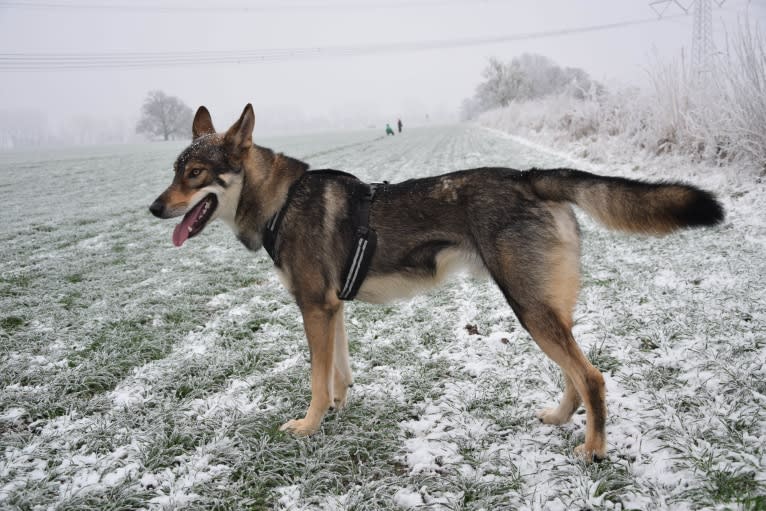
{"type": "Point", "coordinates": [517, 227]}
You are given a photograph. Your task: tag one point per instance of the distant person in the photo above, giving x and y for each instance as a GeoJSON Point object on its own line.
{"type": "Point", "coordinates": [399, 124]}
{"type": "Point", "coordinates": [389, 131]}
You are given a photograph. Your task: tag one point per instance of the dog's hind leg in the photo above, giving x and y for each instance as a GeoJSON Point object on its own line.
{"type": "Point", "coordinates": [554, 337]}
{"type": "Point", "coordinates": [541, 282]}
{"type": "Point", "coordinates": [319, 324]}
{"type": "Point", "coordinates": [342, 378]}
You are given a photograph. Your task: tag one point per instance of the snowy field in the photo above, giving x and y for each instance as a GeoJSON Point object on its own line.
{"type": "Point", "coordinates": [134, 375]}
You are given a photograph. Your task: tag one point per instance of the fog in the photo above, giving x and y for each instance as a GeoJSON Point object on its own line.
{"type": "Point", "coordinates": [343, 72]}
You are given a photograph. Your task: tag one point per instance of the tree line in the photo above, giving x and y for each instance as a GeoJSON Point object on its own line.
{"type": "Point", "coordinates": [162, 117]}
{"type": "Point", "coordinates": [525, 77]}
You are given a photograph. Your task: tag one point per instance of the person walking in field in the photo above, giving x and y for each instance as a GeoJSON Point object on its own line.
{"type": "Point", "coordinates": [389, 131]}
{"type": "Point", "coordinates": [399, 124]}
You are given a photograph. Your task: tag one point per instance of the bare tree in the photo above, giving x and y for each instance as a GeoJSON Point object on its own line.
{"type": "Point", "coordinates": [163, 115]}
{"type": "Point", "coordinates": [497, 89]}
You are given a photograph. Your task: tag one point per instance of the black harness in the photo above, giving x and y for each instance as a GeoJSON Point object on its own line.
{"type": "Point", "coordinates": [365, 238]}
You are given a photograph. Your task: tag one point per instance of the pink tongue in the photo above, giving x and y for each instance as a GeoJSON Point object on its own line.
{"type": "Point", "coordinates": [181, 232]}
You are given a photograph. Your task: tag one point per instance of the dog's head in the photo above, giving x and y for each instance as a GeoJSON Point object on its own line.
{"type": "Point", "coordinates": [207, 175]}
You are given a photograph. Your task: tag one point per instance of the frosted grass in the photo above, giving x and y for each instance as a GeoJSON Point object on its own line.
{"type": "Point", "coordinates": [134, 375]}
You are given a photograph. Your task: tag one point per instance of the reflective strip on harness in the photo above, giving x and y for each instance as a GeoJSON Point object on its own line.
{"type": "Point", "coordinates": [356, 262]}
{"type": "Point", "coordinates": [359, 263]}
{"type": "Point", "coordinates": [365, 242]}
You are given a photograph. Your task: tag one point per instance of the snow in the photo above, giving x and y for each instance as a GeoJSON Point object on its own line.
{"type": "Point", "coordinates": [407, 498]}
{"type": "Point", "coordinates": [163, 375]}
{"type": "Point", "coordinates": [289, 496]}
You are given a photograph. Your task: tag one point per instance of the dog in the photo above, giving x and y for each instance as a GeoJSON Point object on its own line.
{"type": "Point", "coordinates": [517, 227]}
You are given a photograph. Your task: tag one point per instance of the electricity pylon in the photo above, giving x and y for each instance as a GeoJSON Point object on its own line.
{"type": "Point", "coordinates": [702, 30]}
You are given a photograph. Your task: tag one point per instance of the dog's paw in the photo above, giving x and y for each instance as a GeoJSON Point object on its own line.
{"type": "Point", "coordinates": [340, 391]}
{"type": "Point", "coordinates": [339, 398]}
{"type": "Point", "coordinates": [590, 454]}
{"type": "Point", "coordinates": [551, 416]}
{"type": "Point", "coordinates": [299, 427]}
{"type": "Point", "coordinates": [339, 403]}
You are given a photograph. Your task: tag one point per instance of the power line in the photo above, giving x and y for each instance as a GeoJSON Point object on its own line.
{"type": "Point", "coordinates": [15, 62]}
{"type": "Point", "coordinates": [246, 8]}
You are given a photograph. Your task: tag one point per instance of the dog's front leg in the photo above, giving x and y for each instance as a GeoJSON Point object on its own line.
{"type": "Point", "coordinates": [343, 379]}
{"type": "Point", "coordinates": [319, 323]}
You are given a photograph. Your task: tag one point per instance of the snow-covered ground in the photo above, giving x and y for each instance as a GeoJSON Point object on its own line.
{"type": "Point", "coordinates": [134, 375]}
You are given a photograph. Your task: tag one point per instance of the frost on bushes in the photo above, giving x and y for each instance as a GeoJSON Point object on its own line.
{"type": "Point", "coordinates": [524, 78]}
{"type": "Point", "coordinates": [740, 84]}
{"type": "Point", "coordinates": [716, 114]}
{"type": "Point", "coordinates": [560, 118]}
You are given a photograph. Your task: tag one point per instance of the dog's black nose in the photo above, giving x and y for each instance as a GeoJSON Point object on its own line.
{"type": "Point", "coordinates": [157, 208]}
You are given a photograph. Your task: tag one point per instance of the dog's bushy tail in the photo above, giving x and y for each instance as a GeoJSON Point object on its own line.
{"type": "Point", "coordinates": [630, 205]}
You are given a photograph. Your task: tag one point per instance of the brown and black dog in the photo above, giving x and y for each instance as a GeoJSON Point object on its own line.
{"type": "Point", "coordinates": [516, 227]}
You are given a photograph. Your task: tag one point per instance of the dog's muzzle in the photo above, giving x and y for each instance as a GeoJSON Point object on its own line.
{"type": "Point", "coordinates": [157, 208]}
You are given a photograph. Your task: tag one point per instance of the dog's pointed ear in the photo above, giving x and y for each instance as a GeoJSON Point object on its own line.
{"type": "Point", "coordinates": [203, 124]}
{"type": "Point", "coordinates": [240, 135]}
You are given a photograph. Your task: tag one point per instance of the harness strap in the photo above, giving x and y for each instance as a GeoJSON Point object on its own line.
{"type": "Point", "coordinates": [272, 226]}
{"type": "Point", "coordinates": [363, 248]}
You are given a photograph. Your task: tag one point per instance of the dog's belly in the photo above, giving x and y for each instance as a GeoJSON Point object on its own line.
{"type": "Point", "coordinates": [403, 285]}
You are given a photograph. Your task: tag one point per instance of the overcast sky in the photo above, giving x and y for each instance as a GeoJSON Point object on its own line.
{"type": "Point", "coordinates": [406, 83]}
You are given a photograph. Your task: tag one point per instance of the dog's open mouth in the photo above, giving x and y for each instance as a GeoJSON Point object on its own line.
{"type": "Point", "coordinates": [195, 220]}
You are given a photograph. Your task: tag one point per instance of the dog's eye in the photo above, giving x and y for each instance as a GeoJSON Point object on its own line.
{"type": "Point", "coordinates": [195, 172]}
